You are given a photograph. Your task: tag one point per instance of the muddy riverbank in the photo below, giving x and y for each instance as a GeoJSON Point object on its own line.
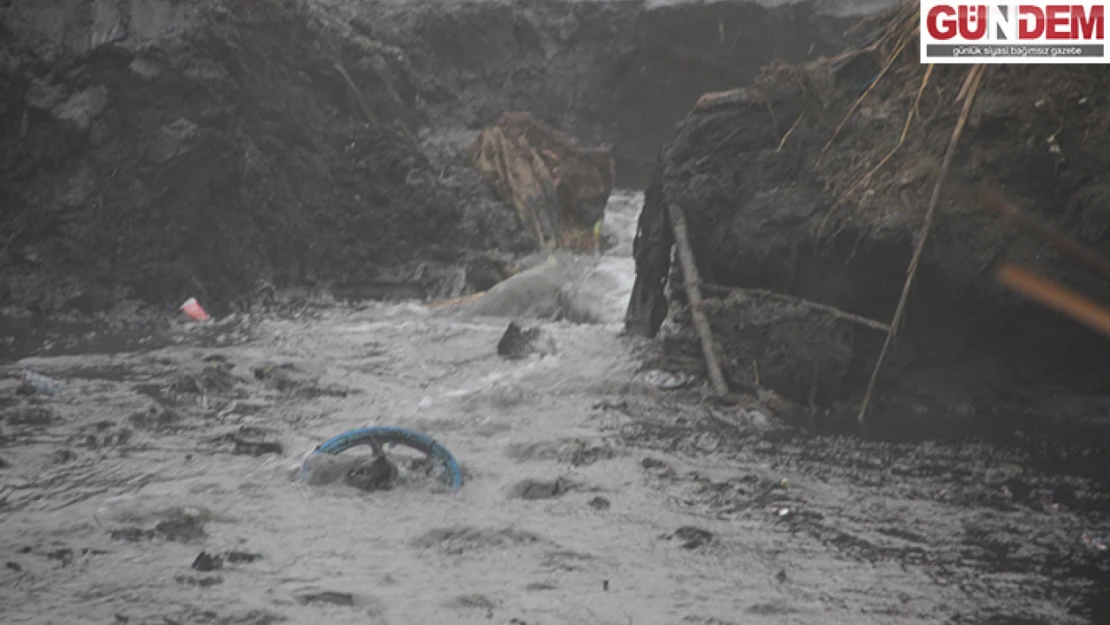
{"type": "Point", "coordinates": [813, 181]}
{"type": "Point", "coordinates": [592, 493]}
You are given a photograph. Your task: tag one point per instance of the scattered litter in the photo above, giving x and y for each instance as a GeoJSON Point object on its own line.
{"type": "Point", "coordinates": [193, 310]}
{"type": "Point", "coordinates": [31, 383]}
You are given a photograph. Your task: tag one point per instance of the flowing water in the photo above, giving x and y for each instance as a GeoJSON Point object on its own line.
{"type": "Point", "coordinates": [589, 497]}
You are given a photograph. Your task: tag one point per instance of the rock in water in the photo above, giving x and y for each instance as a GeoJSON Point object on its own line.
{"type": "Point", "coordinates": [377, 475]}
{"type": "Point", "coordinates": [516, 342]}
{"type": "Point", "coordinates": [551, 290]}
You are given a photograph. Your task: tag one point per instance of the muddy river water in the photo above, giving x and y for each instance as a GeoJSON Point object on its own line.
{"type": "Point", "coordinates": [592, 493]}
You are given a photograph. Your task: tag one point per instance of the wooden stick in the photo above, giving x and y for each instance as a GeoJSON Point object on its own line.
{"type": "Point", "coordinates": [1056, 297]}
{"type": "Point", "coordinates": [976, 75]}
{"type": "Point", "coordinates": [866, 179]}
{"type": "Point", "coordinates": [366, 110]}
{"type": "Point", "coordinates": [693, 293]}
{"type": "Point", "coordinates": [1030, 224]}
{"type": "Point", "coordinates": [454, 301]}
{"type": "Point", "coordinates": [831, 310]}
{"type": "Point", "coordinates": [890, 62]}
{"type": "Point", "coordinates": [791, 131]}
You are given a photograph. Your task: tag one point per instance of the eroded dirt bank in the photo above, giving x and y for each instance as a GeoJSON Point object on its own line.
{"type": "Point", "coordinates": [770, 207]}
{"type": "Point", "coordinates": [156, 151]}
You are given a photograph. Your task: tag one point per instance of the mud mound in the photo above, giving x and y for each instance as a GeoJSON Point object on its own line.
{"type": "Point", "coordinates": [768, 208]}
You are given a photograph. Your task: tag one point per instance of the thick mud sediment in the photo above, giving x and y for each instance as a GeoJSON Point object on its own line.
{"type": "Point", "coordinates": [160, 485]}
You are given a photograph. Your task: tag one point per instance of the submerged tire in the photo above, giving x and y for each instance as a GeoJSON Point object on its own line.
{"type": "Point", "coordinates": [380, 436]}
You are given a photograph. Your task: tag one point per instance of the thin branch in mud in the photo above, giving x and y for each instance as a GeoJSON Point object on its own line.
{"type": "Point", "coordinates": [976, 74]}
{"type": "Point", "coordinates": [1073, 248]}
{"type": "Point", "coordinates": [867, 177]}
{"type": "Point", "coordinates": [965, 87]}
{"type": "Point", "coordinates": [365, 106]}
{"type": "Point", "coordinates": [1052, 295]}
{"type": "Point", "coordinates": [905, 128]}
{"type": "Point", "coordinates": [791, 131]}
{"type": "Point", "coordinates": [874, 83]}
{"type": "Point", "coordinates": [720, 144]}
{"type": "Point", "coordinates": [366, 110]}
{"type": "Point", "coordinates": [831, 310]}
{"type": "Point", "coordinates": [693, 294]}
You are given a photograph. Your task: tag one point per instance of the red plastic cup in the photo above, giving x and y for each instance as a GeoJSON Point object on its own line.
{"type": "Point", "coordinates": [192, 308]}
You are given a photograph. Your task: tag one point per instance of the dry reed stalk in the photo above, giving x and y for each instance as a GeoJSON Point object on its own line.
{"type": "Point", "coordinates": [975, 77]}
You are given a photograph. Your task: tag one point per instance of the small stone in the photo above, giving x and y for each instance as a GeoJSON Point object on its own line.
{"type": "Point", "coordinates": [692, 537]}
{"type": "Point", "coordinates": [517, 343]}
{"type": "Point", "coordinates": [255, 441]}
{"type": "Point", "coordinates": [207, 562]}
{"type": "Point", "coordinates": [238, 557]}
{"type": "Point", "coordinates": [369, 477]}
{"type": "Point", "coordinates": [65, 556]}
{"type": "Point", "coordinates": [599, 503]}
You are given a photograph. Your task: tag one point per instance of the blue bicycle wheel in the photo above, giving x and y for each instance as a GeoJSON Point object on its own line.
{"type": "Point", "coordinates": [377, 437]}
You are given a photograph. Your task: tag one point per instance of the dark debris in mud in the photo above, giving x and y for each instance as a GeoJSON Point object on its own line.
{"type": "Point", "coordinates": [967, 514]}
{"type": "Point", "coordinates": [184, 529]}
{"type": "Point", "coordinates": [200, 581]}
{"type": "Point", "coordinates": [372, 474]}
{"type": "Point", "coordinates": [517, 342]}
{"type": "Point", "coordinates": [542, 489]}
{"type": "Point", "coordinates": [329, 597]}
{"type": "Point", "coordinates": [255, 441]}
{"type": "Point", "coordinates": [462, 539]}
{"type": "Point", "coordinates": [691, 537]}
{"type": "Point", "coordinates": [206, 562]}
{"type": "Point", "coordinates": [599, 503]}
